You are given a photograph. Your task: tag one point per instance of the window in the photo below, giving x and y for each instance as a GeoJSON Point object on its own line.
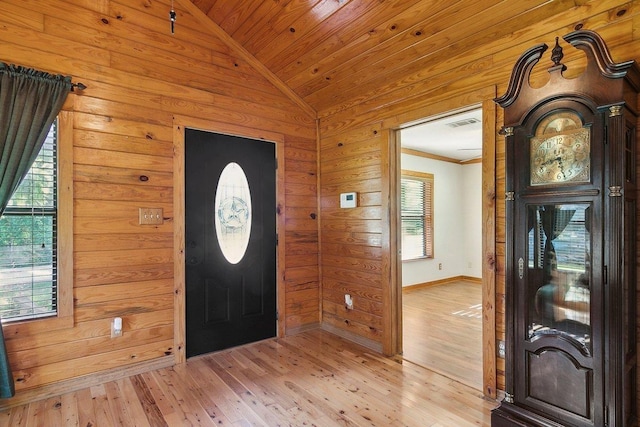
{"type": "Point", "coordinates": [28, 241]}
{"type": "Point", "coordinates": [17, 321]}
{"type": "Point", "coordinates": [233, 212]}
{"type": "Point", "coordinates": [416, 213]}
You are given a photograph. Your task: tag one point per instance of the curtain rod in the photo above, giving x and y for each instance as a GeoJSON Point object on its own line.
{"type": "Point", "coordinates": [79, 85]}
{"type": "Point", "coordinates": [31, 71]}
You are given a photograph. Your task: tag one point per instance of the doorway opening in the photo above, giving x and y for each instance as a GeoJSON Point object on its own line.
{"type": "Point", "coordinates": [441, 255]}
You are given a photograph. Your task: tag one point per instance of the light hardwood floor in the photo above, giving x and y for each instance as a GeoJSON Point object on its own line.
{"type": "Point", "coordinates": [442, 330]}
{"type": "Point", "coordinates": [310, 379]}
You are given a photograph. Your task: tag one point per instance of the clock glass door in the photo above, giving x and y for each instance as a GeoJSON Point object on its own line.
{"type": "Point", "coordinates": [556, 346]}
{"type": "Point", "coordinates": [559, 262]}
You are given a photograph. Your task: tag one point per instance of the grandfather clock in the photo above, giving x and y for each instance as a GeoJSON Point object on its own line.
{"type": "Point", "coordinates": [571, 184]}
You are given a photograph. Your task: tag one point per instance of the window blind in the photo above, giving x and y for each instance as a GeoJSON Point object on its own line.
{"type": "Point", "coordinates": [28, 259]}
{"type": "Point", "coordinates": [416, 218]}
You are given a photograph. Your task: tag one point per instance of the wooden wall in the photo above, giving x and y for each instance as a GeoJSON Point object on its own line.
{"type": "Point", "coordinates": [139, 77]}
{"type": "Point", "coordinates": [355, 258]}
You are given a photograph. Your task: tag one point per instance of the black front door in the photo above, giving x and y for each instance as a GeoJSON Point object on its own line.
{"type": "Point", "coordinates": [230, 236]}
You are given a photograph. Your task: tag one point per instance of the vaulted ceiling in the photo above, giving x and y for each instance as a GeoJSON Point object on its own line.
{"type": "Point", "coordinates": [336, 53]}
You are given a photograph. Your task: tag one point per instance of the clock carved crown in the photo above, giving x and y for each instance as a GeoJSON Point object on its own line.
{"type": "Point", "coordinates": [598, 82]}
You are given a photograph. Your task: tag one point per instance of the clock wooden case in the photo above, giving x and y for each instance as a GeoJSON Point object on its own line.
{"type": "Point", "coordinates": [570, 297]}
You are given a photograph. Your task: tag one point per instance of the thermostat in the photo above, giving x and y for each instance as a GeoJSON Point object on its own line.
{"type": "Point", "coordinates": [348, 200]}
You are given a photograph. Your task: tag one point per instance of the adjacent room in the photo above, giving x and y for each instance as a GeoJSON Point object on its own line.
{"type": "Point", "coordinates": [441, 217]}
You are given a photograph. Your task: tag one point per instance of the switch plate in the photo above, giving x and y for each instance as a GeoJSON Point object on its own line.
{"type": "Point", "coordinates": [150, 216]}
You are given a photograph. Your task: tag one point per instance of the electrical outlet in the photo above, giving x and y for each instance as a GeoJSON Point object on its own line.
{"type": "Point", "coordinates": [502, 349]}
{"type": "Point", "coordinates": [440, 266]}
{"type": "Point", "coordinates": [116, 327]}
{"type": "Point", "coordinates": [348, 302]}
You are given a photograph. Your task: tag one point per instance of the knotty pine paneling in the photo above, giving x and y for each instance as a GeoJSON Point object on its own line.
{"type": "Point", "coordinates": [139, 77]}
{"type": "Point", "coordinates": [352, 260]}
{"type": "Point", "coordinates": [390, 18]}
{"type": "Point", "coordinates": [452, 78]}
{"type": "Point", "coordinates": [302, 275]}
{"type": "Point", "coordinates": [400, 58]}
{"type": "Point", "coordinates": [458, 59]}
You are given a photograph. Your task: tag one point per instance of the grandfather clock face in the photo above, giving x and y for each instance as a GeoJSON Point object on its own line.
{"type": "Point", "coordinates": [560, 150]}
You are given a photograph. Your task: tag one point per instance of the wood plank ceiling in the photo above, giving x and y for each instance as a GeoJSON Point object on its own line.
{"type": "Point", "coordinates": [336, 54]}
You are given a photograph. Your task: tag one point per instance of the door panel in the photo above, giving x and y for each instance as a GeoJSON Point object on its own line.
{"type": "Point", "coordinates": [230, 299]}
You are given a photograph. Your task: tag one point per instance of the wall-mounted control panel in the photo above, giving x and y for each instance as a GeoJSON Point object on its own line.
{"type": "Point", "coordinates": [348, 200]}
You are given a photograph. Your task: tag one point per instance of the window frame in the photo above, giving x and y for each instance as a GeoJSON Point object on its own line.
{"type": "Point", "coordinates": [64, 317]}
{"type": "Point", "coordinates": [429, 239]}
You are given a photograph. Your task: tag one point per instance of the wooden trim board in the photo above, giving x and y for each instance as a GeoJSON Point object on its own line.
{"type": "Point", "coordinates": [484, 97]}
{"type": "Point", "coordinates": [358, 339]}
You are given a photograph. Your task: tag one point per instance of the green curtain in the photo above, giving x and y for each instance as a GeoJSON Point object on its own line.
{"type": "Point", "coordinates": [30, 100]}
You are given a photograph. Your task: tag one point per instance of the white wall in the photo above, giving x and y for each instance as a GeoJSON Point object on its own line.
{"type": "Point", "coordinates": [472, 210]}
{"type": "Point", "coordinates": [457, 202]}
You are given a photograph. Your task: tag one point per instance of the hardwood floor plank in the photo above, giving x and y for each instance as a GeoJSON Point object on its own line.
{"type": "Point", "coordinates": [101, 407]}
{"type": "Point", "coordinates": [162, 402]}
{"type": "Point", "coordinates": [125, 401]}
{"type": "Point", "coordinates": [442, 330]}
{"type": "Point", "coordinates": [309, 386]}
{"type": "Point", "coordinates": [16, 416]}
{"type": "Point", "coordinates": [147, 402]}
{"type": "Point", "coordinates": [339, 371]}
{"type": "Point", "coordinates": [232, 406]}
{"type": "Point", "coordinates": [324, 413]}
{"type": "Point", "coordinates": [187, 409]}
{"type": "Point", "coordinates": [69, 409]}
{"type": "Point", "coordinates": [116, 405]}
{"type": "Point", "coordinates": [207, 401]}
{"type": "Point", "coordinates": [35, 414]}
{"type": "Point", "coordinates": [129, 404]}
{"type": "Point", "coordinates": [261, 406]}
{"type": "Point", "coordinates": [86, 412]}
{"type": "Point", "coordinates": [313, 378]}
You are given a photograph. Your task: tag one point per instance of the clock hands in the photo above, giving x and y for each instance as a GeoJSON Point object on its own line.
{"type": "Point", "coordinates": [561, 167]}
{"type": "Point", "coordinates": [559, 159]}
{"type": "Point", "coordinates": [548, 162]}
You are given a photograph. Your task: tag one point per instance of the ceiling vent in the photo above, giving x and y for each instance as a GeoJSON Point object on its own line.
{"type": "Point", "coordinates": [463, 122]}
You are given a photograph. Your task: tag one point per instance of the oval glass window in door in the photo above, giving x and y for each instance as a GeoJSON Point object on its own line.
{"type": "Point", "coordinates": [233, 212]}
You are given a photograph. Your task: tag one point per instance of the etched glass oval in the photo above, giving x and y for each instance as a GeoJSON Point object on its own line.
{"type": "Point", "coordinates": [233, 212]}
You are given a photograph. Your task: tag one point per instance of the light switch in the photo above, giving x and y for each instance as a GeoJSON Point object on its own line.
{"type": "Point", "coordinates": [150, 216]}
